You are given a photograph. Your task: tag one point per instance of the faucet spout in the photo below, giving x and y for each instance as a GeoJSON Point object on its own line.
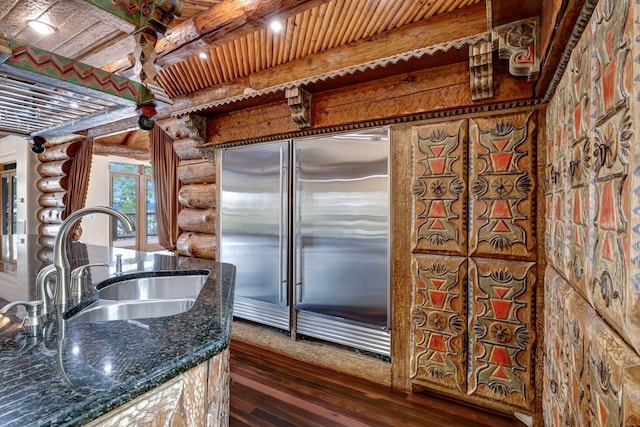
{"type": "Point", "coordinates": [60, 259]}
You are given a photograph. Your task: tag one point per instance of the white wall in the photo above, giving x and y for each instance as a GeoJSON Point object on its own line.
{"type": "Point", "coordinates": [18, 150]}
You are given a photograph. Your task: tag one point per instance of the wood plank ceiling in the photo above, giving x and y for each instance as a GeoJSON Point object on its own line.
{"type": "Point", "coordinates": [328, 26]}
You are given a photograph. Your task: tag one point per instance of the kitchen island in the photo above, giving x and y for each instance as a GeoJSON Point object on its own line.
{"type": "Point", "coordinates": [172, 368]}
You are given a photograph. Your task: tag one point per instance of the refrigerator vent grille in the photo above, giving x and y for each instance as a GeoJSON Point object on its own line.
{"type": "Point", "coordinates": [261, 312]}
{"type": "Point", "coordinates": [333, 329]}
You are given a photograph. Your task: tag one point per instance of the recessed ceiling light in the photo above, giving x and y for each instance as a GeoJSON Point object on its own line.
{"type": "Point", "coordinates": [74, 105]}
{"type": "Point", "coordinates": [203, 55]}
{"type": "Point", "coordinates": [41, 27]}
{"type": "Point", "coordinates": [276, 26]}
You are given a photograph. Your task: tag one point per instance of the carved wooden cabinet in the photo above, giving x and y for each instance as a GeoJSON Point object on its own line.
{"type": "Point", "coordinates": [198, 397]}
{"type": "Point", "coordinates": [474, 266]}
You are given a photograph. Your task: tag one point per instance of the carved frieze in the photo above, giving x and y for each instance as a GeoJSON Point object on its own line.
{"type": "Point", "coordinates": [439, 321]}
{"type": "Point", "coordinates": [502, 190]}
{"type": "Point", "coordinates": [440, 187]}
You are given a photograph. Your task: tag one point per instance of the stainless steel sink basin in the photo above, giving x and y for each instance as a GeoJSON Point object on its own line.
{"type": "Point", "coordinates": [156, 287]}
{"type": "Point", "coordinates": [104, 310]}
{"type": "Point", "coordinates": [143, 297]}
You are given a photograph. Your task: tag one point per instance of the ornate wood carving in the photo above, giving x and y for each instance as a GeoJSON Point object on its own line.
{"type": "Point", "coordinates": [481, 70]}
{"type": "Point", "coordinates": [145, 56]}
{"type": "Point", "coordinates": [439, 352]}
{"type": "Point", "coordinates": [440, 187]}
{"type": "Point", "coordinates": [197, 127]}
{"type": "Point", "coordinates": [503, 335]}
{"type": "Point", "coordinates": [502, 191]}
{"type": "Point", "coordinates": [299, 100]}
{"type": "Point", "coordinates": [517, 43]}
{"type": "Point", "coordinates": [158, 14]}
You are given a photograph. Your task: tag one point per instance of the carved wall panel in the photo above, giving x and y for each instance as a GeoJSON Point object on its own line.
{"type": "Point", "coordinates": [503, 333]}
{"type": "Point", "coordinates": [599, 373]}
{"type": "Point", "coordinates": [439, 321]}
{"type": "Point", "coordinates": [473, 331]}
{"type": "Point", "coordinates": [440, 187]}
{"type": "Point", "coordinates": [502, 204]}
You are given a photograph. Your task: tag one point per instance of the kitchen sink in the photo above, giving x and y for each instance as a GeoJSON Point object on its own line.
{"type": "Point", "coordinates": [105, 310]}
{"type": "Point", "coordinates": [155, 287]}
{"type": "Point", "coordinates": [143, 297]}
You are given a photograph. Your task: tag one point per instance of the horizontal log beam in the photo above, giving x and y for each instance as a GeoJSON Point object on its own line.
{"type": "Point", "coordinates": [431, 90]}
{"type": "Point", "coordinates": [222, 23]}
{"type": "Point", "coordinates": [196, 172]}
{"type": "Point", "coordinates": [121, 150]}
{"type": "Point", "coordinates": [197, 220]}
{"type": "Point", "coordinates": [196, 245]}
{"type": "Point", "coordinates": [198, 196]}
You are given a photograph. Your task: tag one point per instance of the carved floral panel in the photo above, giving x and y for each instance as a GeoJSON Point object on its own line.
{"type": "Point", "coordinates": [612, 140]}
{"type": "Point", "coordinates": [554, 391]}
{"type": "Point", "coordinates": [439, 187]}
{"type": "Point", "coordinates": [439, 321]}
{"type": "Point", "coordinates": [502, 204]}
{"type": "Point", "coordinates": [503, 333]}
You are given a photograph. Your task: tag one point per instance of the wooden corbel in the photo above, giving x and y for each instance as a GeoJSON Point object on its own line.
{"type": "Point", "coordinates": [299, 101]}
{"type": "Point", "coordinates": [517, 42]}
{"type": "Point", "coordinates": [481, 70]}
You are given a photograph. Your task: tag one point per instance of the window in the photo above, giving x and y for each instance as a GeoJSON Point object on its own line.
{"type": "Point", "coordinates": [132, 193]}
{"type": "Point", "coordinates": [9, 216]}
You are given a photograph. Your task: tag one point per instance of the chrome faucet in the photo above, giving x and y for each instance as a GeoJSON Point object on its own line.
{"type": "Point", "coordinates": [60, 259]}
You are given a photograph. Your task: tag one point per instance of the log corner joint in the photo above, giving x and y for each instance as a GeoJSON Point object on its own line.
{"type": "Point", "coordinates": [197, 127]}
{"type": "Point", "coordinates": [299, 101]}
{"type": "Point", "coordinates": [515, 42]}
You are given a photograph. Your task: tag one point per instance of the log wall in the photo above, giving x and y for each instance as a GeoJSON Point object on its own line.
{"type": "Point", "coordinates": [54, 166]}
{"type": "Point", "coordinates": [197, 219]}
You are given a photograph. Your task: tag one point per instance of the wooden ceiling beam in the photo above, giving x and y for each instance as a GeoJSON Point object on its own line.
{"type": "Point", "coordinates": [222, 23]}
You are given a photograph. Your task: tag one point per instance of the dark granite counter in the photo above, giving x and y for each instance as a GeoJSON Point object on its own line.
{"type": "Point", "coordinates": [75, 372]}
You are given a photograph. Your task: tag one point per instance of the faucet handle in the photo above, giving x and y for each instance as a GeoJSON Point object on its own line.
{"type": "Point", "coordinates": [32, 324]}
{"type": "Point", "coordinates": [79, 279]}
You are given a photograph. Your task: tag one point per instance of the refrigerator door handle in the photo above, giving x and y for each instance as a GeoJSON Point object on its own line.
{"type": "Point", "coordinates": [281, 280]}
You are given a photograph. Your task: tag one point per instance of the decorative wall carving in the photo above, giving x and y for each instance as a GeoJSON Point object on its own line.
{"type": "Point", "coordinates": [592, 377]}
{"type": "Point", "coordinates": [481, 70]}
{"type": "Point", "coordinates": [516, 42]}
{"type": "Point", "coordinates": [474, 289]}
{"type": "Point", "coordinates": [299, 100]}
{"type": "Point", "coordinates": [502, 189]}
{"type": "Point", "coordinates": [591, 194]}
{"type": "Point", "coordinates": [440, 188]}
{"type": "Point", "coordinates": [440, 321]}
{"type": "Point", "coordinates": [502, 338]}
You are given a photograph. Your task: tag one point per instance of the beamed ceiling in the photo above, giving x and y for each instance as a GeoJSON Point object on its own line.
{"type": "Point", "coordinates": [321, 41]}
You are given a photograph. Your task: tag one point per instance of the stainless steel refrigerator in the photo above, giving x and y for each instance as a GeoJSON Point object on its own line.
{"type": "Point", "coordinates": [306, 222]}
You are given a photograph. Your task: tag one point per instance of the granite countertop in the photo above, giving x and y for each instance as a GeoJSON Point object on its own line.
{"type": "Point", "coordinates": [75, 372]}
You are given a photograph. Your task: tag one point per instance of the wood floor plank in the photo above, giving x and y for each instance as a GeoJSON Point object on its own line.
{"type": "Point", "coordinates": [270, 389]}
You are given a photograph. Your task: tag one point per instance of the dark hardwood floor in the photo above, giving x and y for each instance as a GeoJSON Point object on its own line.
{"type": "Point", "coordinates": [272, 390]}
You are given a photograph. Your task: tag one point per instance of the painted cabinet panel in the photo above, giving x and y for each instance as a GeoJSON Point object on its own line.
{"type": "Point", "coordinates": [474, 259]}
{"type": "Point", "coordinates": [502, 182]}
{"type": "Point", "coordinates": [503, 333]}
{"type": "Point", "coordinates": [440, 188]}
{"type": "Point", "coordinates": [439, 321]}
